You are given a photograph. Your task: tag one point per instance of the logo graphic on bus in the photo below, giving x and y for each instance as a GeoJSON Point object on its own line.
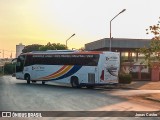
{"type": "Point", "coordinates": [112, 71]}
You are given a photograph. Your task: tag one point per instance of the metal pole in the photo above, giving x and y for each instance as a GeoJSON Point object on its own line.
{"type": "Point", "coordinates": [66, 43]}
{"type": "Point", "coordinates": [68, 39]}
{"type": "Point", "coordinates": [110, 43]}
{"type": "Point", "coordinates": [3, 54]}
{"type": "Point", "coordinates": [3, 69]}
{"type": "Point", "coordinates": [110, 38]}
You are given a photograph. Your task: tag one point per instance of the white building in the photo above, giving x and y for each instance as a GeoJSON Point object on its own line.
{"type": "Point", "coordinates": [19, 49]}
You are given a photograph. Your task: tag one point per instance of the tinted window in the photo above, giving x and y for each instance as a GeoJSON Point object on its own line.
{"type": "Point", "coordinates": [63, 59]}
{"type": "Point", "coordinates": [29, 60]}
{"type": "Point", "coordinates": [20, 63]}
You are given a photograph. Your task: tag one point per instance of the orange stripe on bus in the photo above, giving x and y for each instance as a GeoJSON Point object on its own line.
{"type": "Point", "coordinates": [58, 73]}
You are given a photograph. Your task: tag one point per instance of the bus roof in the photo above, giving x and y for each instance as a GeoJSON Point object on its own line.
{"type": "Point", "coordinates": [63, 52]}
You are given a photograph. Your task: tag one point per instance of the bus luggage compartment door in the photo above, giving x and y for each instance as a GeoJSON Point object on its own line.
{"type": "Point", "coordinates": [91, 78]}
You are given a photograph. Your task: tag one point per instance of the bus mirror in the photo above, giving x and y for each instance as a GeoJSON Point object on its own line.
{"type": "Point", "coordinates": [14, 60]}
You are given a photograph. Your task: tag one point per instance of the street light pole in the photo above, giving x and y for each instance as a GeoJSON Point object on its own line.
{"type": "Point", "coordinates": [69, 38]}
{"type": "Point", "coordinates": [110, 43]}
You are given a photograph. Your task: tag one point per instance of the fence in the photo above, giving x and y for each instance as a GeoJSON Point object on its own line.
{"type": "Point", "coordinates": [138, 72]}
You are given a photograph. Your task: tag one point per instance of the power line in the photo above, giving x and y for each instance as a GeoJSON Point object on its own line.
{"type": "Point", "coordinates": [9, 53]}
{"type": "Point", "coordinates": [8, 50]}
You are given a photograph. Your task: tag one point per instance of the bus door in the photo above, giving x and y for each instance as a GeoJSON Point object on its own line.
{"type": "Point", "coordinates": [20, 66]}
{"type": "Point", "coordinates": [111, 68]}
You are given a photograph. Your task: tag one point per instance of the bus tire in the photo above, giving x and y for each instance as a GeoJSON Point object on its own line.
{"type": "Point", "coordinates": [90, 87]}
{"type": "Point", "coordinates": [75, 82]}
{"type": "Point", "coordinates": [43, 83]}
{"type": "Point", "coordinates": [27, 77]}
{"type": "Point", "coordinates": [33, 81]}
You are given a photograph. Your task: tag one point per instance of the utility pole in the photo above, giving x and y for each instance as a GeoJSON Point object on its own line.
{"type": "Point", "coordinates": [110, 43]}
{"type": "Point", "coordinates": [3, 54]}
{"type": "Point", "coordinates": [11, 55]}
{"type": "Point", "coordinates": [3, 69]}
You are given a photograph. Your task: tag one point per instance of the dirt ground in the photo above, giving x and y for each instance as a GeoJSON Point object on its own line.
{"type": "Point", "coordinates": [153, 98]}
{"type": "Point", "coordinates": [145, 85]}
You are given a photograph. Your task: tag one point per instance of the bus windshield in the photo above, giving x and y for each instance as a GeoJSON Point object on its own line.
{"type": "Point", "coordinates": [20, 63]}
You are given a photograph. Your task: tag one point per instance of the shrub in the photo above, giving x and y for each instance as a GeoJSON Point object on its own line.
{"type": "Point", "coordinates": [125, 78]}
{"type": "Point", "coordinates": [9, 68]}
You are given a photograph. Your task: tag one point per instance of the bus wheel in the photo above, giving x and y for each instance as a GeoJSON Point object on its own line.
{"type": "Point", "coordinates": [43, 82]}
{"type": "Point", "coordinates": [75, 82]}
{"type": "Point", "coordinates": [27, 77]}
{"type": "Point", "coordinates": [90, 87]}
{"type": "Point", "coordinates": [33, 81]}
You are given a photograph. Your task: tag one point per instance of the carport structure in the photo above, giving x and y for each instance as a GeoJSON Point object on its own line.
{"type": "Point", "coordinates": [131, 60]}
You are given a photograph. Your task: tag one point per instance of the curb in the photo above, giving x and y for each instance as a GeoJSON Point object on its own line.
{"type": "Point", "coordinates": [127, 88]}
{"type": "Point", "coordinates": [153, 99]}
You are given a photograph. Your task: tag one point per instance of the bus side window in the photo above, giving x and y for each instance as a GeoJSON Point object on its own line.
{"type": "Point", "coordinates": [29, 60]}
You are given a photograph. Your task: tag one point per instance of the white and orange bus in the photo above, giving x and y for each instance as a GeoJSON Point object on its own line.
{"type": "Point", "coordinates": [77, 68]}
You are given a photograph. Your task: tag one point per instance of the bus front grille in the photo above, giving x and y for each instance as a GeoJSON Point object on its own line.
{"type": "Point", "coordinates": [91, 78]}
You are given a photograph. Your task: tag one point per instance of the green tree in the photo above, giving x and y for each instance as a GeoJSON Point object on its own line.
{"type": "Point", "coordinates": [49, 46]}
{"type": "Point", "coordinates": [153, 52]}
{"type": "Point", "coordinates": [53, 46]}
{"type": "Point", "coordinates": [60, 46]}
{"type": "Point", "coordinates": [30, 48]}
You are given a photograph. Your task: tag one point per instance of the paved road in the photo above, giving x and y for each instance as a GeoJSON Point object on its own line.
{"type": "Point", "coordinates": [16, 95]}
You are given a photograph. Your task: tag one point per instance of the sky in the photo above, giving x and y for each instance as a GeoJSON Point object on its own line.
{"type": "Point", "coordinates": [42, 21]}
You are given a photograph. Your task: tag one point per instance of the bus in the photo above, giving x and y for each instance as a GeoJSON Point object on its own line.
{"type": "Point", "coordinates": [76, 68]}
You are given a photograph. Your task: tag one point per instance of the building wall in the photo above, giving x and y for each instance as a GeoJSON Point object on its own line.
{"type": "Point", "coordinates": [19, 49]}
